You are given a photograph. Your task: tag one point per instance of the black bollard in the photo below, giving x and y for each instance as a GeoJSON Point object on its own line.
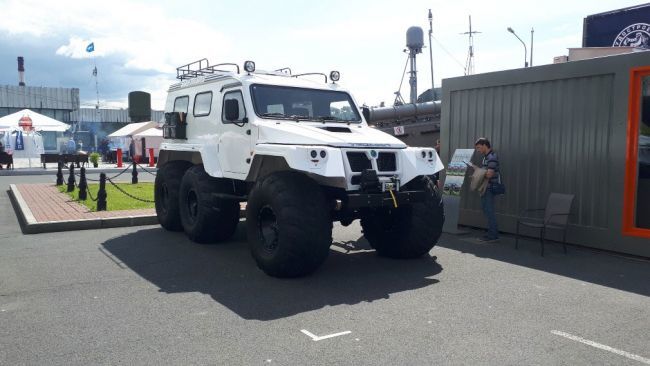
{"type": "Point", "coordinates": [59, 174]}
{"type": "Point", "coordinates": [83, 185]}
{"type": "Point", "coordinates": [101, 194]}
{"type": "Point", "coordinates": [134, 175]}
{"type": "Point", "coordinates": [71, 179]}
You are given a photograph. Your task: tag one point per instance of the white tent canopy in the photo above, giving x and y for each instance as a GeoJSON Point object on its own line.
{"type": "Point", "coordinates": [132, 129]}
{"type": "Point", "coordinates": [151, 132]}
{"type": "Point", "coordinates": [152, 137]}
{"type": "Point", "coordinates": [39, 122]}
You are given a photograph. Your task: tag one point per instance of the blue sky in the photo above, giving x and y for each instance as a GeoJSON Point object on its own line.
{"type": "Point", "coordinates": [138, 44]}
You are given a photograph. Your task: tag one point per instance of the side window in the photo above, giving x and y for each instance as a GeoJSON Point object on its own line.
{"type": "Point", "coordinates": [181, 104]}
{"type": "Point", "coordinates": [202, 104]}
{"type": "Point", "coordinates": [236, 95]}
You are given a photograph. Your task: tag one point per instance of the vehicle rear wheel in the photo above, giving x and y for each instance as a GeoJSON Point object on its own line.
{"type": "Point", "coordinates": [288, 225]}
{"type": "Point", "coordinates": [407, 231]}
{"type": "Point", "coordinates": [207, 218]}
{"type": "Point", "coordinates": [166, 186]}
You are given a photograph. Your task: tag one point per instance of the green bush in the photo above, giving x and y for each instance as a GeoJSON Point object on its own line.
{"type": "Point", "coordinates": [94, 158]}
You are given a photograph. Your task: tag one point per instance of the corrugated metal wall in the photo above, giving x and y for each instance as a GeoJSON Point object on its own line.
{"type": "Point", "coordinates": [34, 97]}
{"type": "Point", "coordinates": [109, 115]}
{"type": "Point", "coordinates": [556, 128]}
{"type": "Point", "coordinates": [547, 131]}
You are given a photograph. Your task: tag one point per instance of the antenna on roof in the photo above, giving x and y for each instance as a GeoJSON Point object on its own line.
{"type": "Point", "coordinates": [469, 65]}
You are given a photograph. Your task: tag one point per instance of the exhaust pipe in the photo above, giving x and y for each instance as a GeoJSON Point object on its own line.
{"type": "Point", "coordinates": [21, 71]}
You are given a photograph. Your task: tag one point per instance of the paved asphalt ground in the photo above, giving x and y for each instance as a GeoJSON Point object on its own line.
{"type": "Point", "coordinates": [141, 295]}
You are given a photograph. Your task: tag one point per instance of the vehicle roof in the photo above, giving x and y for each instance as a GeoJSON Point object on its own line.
{"type": "Point", "coordinates": [259, 77]}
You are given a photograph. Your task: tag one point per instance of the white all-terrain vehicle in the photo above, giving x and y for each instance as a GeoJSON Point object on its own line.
{"type": "Point", "coordinates": [301, 155]}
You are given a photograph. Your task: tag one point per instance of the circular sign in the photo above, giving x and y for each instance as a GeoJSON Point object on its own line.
{"type": "Point", "coordinates": [634, 35]}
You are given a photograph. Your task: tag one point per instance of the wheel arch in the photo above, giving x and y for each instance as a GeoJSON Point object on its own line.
{"type": "Point", "coordinates": [166, 156]}
{"type": "Point", "coordinates": [264, 165]}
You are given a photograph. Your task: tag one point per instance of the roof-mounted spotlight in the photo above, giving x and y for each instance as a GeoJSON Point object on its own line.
{"type": "Point", "coordinates": [249, 66]}
{"type": "Point", "coordinates": [335, 76]}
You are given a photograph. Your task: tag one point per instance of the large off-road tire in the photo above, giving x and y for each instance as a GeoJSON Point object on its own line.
{"type": "Point", "coordinates": [289, 225]}
{"type": "Point", "coordinates": [408, 231]}
{"type": "Point", "coordinates": [166, 186]}
{"type": "Point", "coordinates": [207, 218]}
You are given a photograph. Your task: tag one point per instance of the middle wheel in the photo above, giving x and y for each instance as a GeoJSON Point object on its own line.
{"type": "Point", "coordinates": [206, 218]}
{"type": "Point", "coordinates": [289, 225]}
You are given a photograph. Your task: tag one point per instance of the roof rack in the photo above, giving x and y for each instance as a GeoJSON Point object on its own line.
{"type": "Point", "coordinates": [286, 70]}
{"type": "Point", "coordinates": [200, 68]}
{"type": "Point", "coordinates": [311, 73]}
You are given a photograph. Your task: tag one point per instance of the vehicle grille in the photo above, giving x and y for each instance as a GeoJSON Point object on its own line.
{"type": "Point", "coordinates": [386, 162]}
{"type": "Point", "coordinates": [358, 161]}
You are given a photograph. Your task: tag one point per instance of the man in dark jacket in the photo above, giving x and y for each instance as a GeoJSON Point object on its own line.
{"type": "Point", "coordinates": [491, 164]}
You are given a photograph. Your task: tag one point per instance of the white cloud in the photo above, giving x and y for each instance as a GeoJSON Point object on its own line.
{"type": "Point", "coordinates": [144, 38]}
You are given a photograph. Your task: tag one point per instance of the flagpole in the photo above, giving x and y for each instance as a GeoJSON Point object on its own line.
{"type": "Point", "coordinates": [96, 81]}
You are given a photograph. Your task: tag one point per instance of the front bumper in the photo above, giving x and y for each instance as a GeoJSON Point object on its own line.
{"type": "Point", "coordinates": [384, 199]}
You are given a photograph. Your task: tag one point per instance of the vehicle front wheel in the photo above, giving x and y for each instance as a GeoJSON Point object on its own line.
{"type": "Point", "coordinates": [408, 231]}
{"type": "Point", "coordinates": [288, 225]}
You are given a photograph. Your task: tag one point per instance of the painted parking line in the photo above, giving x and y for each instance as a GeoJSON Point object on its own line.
{"type": "Point", "coordinates": [316, 338]}
{"type": "Point", "coordinates": [602, 346]}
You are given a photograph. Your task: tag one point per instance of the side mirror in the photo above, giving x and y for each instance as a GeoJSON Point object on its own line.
{"type": "Point", "coordinates": [232, 109]}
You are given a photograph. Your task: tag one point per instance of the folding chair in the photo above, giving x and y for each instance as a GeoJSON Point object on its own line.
{"type": "Point", "coordinates": [556, 217]}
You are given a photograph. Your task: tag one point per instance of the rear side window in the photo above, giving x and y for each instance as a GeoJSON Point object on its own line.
{"type": "Point", "coordinates": [237, 95]}
{"type": "Point", "coordinates": [181, 104]}
{"type": "Point", "coordinates": [202, 104]}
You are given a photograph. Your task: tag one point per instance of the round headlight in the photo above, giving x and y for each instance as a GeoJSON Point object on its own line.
{"type": "Point", "coordinates": [323, 154]}
{"type": "Point", "coordinates": [249, 66]}
{"type": "Point", "coordinates": [314, 153]}
{"type": "Point", "coordinates": [335, 75]}
{"type": "Point", "coordinates": [424, 154]}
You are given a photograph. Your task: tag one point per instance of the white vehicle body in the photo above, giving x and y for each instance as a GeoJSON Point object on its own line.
{"type": "Point", "coordinates": [235, 151]}
{"type": "Point", "coordinates": [301, 155]}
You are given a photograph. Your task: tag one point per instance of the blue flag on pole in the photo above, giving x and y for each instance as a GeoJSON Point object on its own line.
{"type": "Point", "coordinates": [90, 47]}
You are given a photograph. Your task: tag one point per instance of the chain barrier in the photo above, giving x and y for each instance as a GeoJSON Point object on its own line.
{"type": "Point", "coordinates": [128, 194]}
{"type": "Point", "coordinates": [117, 175]}
{"type": "Point", "coordinates": [91, 195]}
{"type": "Point", "coordinates": [87, 191]}
{"type": "Point", "coordinates": [146, 170]}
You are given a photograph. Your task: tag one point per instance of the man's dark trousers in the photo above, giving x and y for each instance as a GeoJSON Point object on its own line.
{"type": "Point", "coordinates": [487, 203]}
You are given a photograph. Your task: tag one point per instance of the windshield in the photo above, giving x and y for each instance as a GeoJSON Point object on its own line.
{"type": "Point", "coordinates": [281, 102]}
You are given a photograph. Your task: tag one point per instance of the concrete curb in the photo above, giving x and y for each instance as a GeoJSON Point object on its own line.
{"type": "Point", "coordinates": [29, 225]}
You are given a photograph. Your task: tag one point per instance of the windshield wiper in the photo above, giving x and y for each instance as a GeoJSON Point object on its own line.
{"type": "Point", "coordinates": [328, 118]}
{"type": "Point", "coordinates": [298, 117]}
{"type": "Point", "coordinates": [273, 115]}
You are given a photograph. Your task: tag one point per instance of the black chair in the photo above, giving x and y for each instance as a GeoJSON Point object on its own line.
{"type": "Point", "coordinates": [556, 217]}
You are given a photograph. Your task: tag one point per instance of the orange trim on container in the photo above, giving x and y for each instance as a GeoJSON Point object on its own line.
{"type": "Point", "coordinates": [631, 155]}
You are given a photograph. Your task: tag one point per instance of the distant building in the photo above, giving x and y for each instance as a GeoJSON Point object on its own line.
{"type": "Point", "coordinates": [89, 125]}
{"type": "Point", "coordinates": [55, 103]}
{"type": "Point", "coordinates": [92, 125]}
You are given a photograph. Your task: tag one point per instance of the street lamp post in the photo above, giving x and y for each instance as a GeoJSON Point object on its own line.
{"type": "Point", "coordinates": [522, 42]}
{"type": "Point", "coordinates": [532, 31]}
